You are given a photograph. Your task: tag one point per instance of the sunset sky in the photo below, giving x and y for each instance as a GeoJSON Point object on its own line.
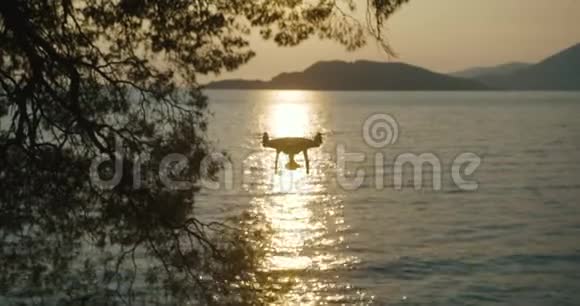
{"type": "Point", "coordinates": [442, 35]}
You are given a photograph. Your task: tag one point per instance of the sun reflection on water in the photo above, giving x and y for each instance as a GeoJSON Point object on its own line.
{"type": "Point", "coordinates": [290, 115]}
{"type": "Point", "coordinates": [288, 212]}
{"type": "Point", "coordinates": [305, 217]}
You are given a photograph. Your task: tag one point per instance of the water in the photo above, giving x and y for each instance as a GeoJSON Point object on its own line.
{"type": "Point", "coordinates": [515, 240]}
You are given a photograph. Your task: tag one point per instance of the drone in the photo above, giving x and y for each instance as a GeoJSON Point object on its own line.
{"type": "Point", "coordinates": [292, 146]}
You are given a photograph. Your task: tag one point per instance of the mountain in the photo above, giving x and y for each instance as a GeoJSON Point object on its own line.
{"type": "Point", "coordinates": [237, 84]}
{"type": "Point", "coordinates": [504, 69]}
{"type": "Point", "coordinates": [558, 72]}
{"type": "Point", "coordinates": [359, 75]}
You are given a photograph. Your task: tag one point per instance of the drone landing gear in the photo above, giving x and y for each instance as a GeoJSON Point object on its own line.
{"type": "Point", "coordinates": [292, 164]}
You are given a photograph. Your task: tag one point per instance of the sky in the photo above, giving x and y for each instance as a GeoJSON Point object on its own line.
{"type": "Point", "coordinates": [441, 35]}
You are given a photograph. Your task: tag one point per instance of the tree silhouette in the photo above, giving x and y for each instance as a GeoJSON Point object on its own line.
{"type": "Point", "coordinates": [78, 77]}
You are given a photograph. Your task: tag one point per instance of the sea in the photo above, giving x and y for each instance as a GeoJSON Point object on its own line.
{"type": "Point", "coordinates": [412, 198]}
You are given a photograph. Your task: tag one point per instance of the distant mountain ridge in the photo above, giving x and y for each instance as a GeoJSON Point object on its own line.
{"type": "Point", "coordinates": [359, 75]}
{"type": "Point", "coordinates": [560, 71]}
{"type": "Point", "coordinates": [503, 69]}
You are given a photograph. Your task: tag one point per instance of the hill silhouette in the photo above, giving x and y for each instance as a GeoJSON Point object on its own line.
{"type": "Point", "coordinates": [359, 75]}
{"type": "Point", "coordinates": [560, 71]}
{"type": "Point", "coordinates": [557, 72]}
{"type": "Point", "coordinates": [503, 69]}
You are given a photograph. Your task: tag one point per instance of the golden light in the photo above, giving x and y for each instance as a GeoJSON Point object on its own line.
{"type": "Point", "coordinates": [291, 96]}
{"type": "Point", "coordinates": [297, 208]}
{"type": "Point", "coordinates": [290, 114]}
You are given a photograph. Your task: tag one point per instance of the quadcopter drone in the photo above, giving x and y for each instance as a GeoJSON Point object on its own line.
{"type": "Point", "coordinates": [292, 146]}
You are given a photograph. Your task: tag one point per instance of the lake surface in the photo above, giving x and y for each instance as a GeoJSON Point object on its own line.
{"type": "Point", "coordinates": [513, 241]}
